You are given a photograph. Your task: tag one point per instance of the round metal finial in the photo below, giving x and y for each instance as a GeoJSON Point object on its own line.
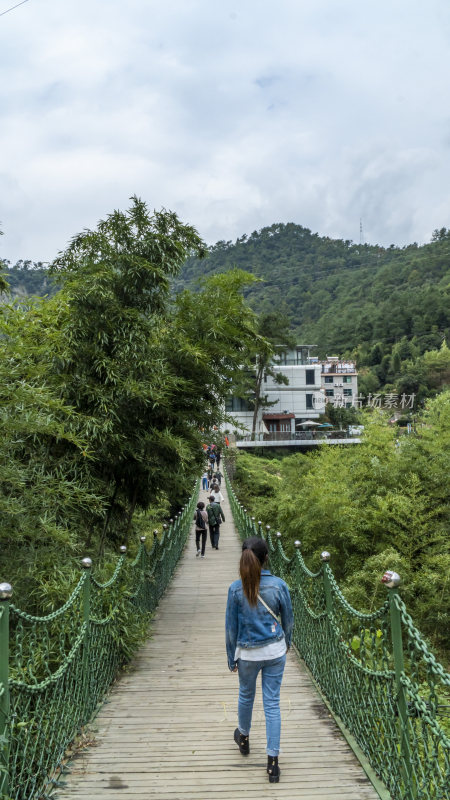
{"type": "Point", "coordinates": [245, 510]}
{"type": "Point", "coordinates": [164, 526]}
{"type": "Point", "coordinates": [171, 521]}
{"type": "Point", "coordinates": [267, 527]}
{"type": "Point", "coordinates": [5, 591]}
{"type": "Point", "coordinates": [86, 563]}
{"type": "Point", "coordinates": [297, 544]}
{"type": "Point", "coordinates": [278, 535]}
{"type": "Point", "coordinates": [253, 519]}
{"type": "Point", "coordinates": [142, 539]}
{"type": "Point", "coordinates": [155, 532]}
{"type": "Point", "coordinates": [325, 556]}
{"type": "Point", "coordinates": [123, 549]}
{"type": "Point", "coordinates": [391, 579]}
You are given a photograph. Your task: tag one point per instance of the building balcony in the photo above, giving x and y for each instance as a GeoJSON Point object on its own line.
{"type": "Point", "coordinates": [334, 369]}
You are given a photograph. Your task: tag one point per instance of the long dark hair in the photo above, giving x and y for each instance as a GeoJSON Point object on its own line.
{"type": "Point", "coordinates": [254, 554]}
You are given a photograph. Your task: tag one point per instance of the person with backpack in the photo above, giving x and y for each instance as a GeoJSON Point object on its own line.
{"type": "Point", "coordinates": [258, 631]}
{"type": "Point", "coordinates": [210, 474]}
{"type": "Point", "coordinates": [215, 517]}
{"type": "Point", "coordinates": [218, 457]}
{"type": "Point", "coordinates": [218, 476]}
{"type": "Point", "coordinates": [201, 518]}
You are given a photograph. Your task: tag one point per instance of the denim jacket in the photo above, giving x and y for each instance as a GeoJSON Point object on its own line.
{"type": "Point", "coordinates": [254, 627]}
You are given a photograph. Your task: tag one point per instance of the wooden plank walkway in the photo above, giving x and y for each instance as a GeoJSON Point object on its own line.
{"type": "Point", "coordinates": [166, 731]}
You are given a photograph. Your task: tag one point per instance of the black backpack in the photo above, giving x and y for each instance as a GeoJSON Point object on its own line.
{"type": "Point", "coordinates": [200, 522]}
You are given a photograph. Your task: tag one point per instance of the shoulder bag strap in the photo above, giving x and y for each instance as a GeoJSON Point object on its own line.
{"type": "Point", "coordinates": [268, 608]}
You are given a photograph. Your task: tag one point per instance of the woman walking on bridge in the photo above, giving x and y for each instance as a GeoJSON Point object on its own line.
{"type": "Point", "coordinates": [257, 642]}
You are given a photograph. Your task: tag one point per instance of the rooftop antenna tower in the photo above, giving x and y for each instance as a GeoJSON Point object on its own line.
{"type": "Point", "coordinates": [361, 234]}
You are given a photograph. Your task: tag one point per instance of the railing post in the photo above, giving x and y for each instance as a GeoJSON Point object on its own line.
{"type": "Point", "coordinates": [5, 596]}
{"type": "Point", "coordinates": [325, 557]}
{"type": "Point", "coordinates": [86, 563]}
{"type": "Point", "coordinates": [392, 581]}
{"type": "Point", "coordinates": [142, 558]}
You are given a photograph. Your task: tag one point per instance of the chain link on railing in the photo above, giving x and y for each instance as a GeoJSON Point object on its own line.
{"type": "Point", "coordinates": [62, 665]}
{"type": "Point", "coordinates": [375, 670]}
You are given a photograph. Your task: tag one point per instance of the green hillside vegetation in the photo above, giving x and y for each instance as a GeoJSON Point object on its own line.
{"type": "Point", "coordinates": [385, 307]}
{"type": "Point", "coordinates": [384, 504]}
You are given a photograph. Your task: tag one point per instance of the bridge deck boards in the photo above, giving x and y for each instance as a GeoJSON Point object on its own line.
{"type": "Point", "coordinates": [166, 730]}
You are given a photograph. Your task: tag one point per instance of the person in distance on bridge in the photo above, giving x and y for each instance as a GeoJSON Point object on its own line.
{"type": "Point", "coordinates": [258, 632]}
{"type": "Point", "coordinates": [218, 476]}
{"type": "Point", "coordinates": [216, 493]}
{"type": "Point", "coordinates": [201, 519]}
{"type": "Point", "coordinates": [215, 517]}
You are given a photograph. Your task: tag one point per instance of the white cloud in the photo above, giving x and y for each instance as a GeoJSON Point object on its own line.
{"type": "Point", "coordinates": [235, 116]}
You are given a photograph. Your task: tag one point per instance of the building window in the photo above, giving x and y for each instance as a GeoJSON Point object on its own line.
{"type": "Point", "coordinates": [348, 392]}
{"type": "Point", "coordinates": [329, 392]}
{"type": "Point", "coordinates": [236, 404]}
{"type": "Point", "coordinates": [346, 379]}
{"type": "Point", "coordinates": [310, 378]}
{"type": "Point", "coordinates": [309, 401]}
{"type": "Point", "coordinates": [348, 405]}
{"type": "Point", "coordinates": [328, 379]}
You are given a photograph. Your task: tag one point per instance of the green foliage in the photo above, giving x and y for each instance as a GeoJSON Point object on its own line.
{"type": "Point", "coordinates": [379, 505]}
{"type": "Point", "coordinates": [47, 495]}
{"type": "Point", "coordinates": [108, 389]}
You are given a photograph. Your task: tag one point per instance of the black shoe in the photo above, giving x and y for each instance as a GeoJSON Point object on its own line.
{"type": "Point", "coordinates": [242, 742]}
{"type": "Point", "coordinates": [273, 769]}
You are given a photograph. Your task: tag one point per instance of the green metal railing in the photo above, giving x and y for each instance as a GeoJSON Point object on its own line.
{"type": "Point", "coordinates": [60, 666]}
{"type": "Point", "coordinates": [375, 670]}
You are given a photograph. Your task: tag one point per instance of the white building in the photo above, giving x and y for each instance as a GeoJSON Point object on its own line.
{"type": "Point", "coordinates": [339, 382]}
{"type": "Point", "coordinates": [301, 400]}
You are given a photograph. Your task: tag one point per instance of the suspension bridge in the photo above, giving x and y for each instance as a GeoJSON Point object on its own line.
{"type": "Point", "coordinates": [363, 700]}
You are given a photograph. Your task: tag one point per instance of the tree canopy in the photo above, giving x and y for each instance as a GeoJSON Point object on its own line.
{"type": "Point", "coordinates": [110, 387]}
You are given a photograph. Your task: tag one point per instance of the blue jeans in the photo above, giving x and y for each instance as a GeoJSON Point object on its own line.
{"type": "Point", "coordinates": [205, 483]}
{"type": "Point", "coordinates": [271, 677]}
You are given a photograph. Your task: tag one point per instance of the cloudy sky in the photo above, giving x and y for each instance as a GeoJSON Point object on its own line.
{"type": "Point", "coordinates": [234, 115]}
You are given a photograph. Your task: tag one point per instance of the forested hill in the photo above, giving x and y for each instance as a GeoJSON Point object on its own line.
{"type": "Point", "coordinates": [28, 278]}
{"type": "Point", "coordinates": [337, 294]}
{"type": "Point", "coordinates": [389, 308]}
{"type": "Point", "coordinates": [340, 295]}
